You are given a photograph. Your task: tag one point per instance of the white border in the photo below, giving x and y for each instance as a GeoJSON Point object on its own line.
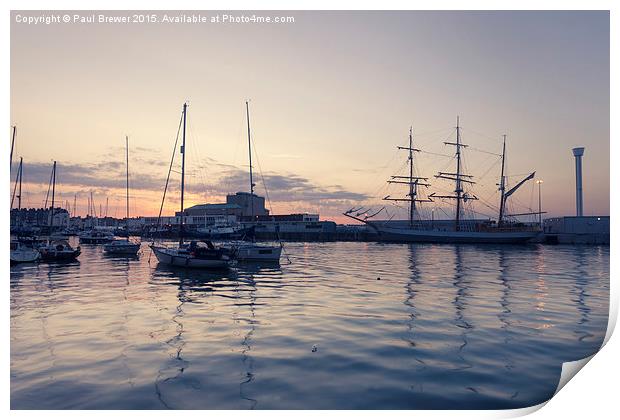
{"type": "Point", "coordinates": [593, 394]}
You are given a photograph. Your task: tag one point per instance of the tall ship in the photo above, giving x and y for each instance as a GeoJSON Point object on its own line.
{"type": "Point", "coordinates": [459, 230]}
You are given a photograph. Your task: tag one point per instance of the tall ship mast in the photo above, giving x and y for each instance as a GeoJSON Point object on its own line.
{"type": "Point", "coordinates": [459, 179]}
{"type": "Point", "coordinates": [412, 181]}
{"type": "Point", "coordinates": [461, 230]}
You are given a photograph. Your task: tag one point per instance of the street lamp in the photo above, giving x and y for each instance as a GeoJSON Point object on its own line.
{"type": "Point", "coordinates": [539, 182]}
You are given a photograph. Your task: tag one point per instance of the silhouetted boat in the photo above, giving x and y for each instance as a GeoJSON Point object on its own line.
{"type": "Point", "coordinates": [56, 250]}
{"type": "Point", "coordinates": [253, 251]}
{"type": "Point", "coordinates": [196, 254]}
{"type": "Point", "coordinates": [462, 231]}
{"type": "Point", "coordinates": [124, 246]}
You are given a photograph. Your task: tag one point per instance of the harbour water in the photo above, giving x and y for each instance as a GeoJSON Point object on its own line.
{"type": "Point", "coordinates": [346, 325]}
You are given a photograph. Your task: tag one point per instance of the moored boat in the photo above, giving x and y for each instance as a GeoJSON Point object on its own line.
{"type": "Point", "coordinates": [200, 255]}
{"type": "Point", "coordinates": [56, 249]}
{"type": "Point", "coordinates": [124, 246]}
{"type": "Point", "coordinates": [96, 237]}
{"type": "Point", "coordinates": [194, 255]}
{"type": "Point", "coordinates": [59, 251]}
{"type": "Point", "coordinates": [256, 252]}
{"type": "Point", "coordinates": [461, 230]}
{"type": "Point", "coordinates": [251, 251]}
{"type": "Point", "coordinates": [22, 253]}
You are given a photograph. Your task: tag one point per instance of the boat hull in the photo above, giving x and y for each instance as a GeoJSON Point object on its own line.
{"type": "Point", "coordinates": [432, 236]}
{"type": "Point", "coordinates": [60, 255]}
{"type": "Point", "coordinates": [20, 256]}
{"type": "Point", "coordinates": [258, 253]}
{"type": "Point", "coordinates": [169, 257]}
{"type": "Point", "coordinates": [124, 249]}
{"type": "Point", "coordinates": [95, 241]}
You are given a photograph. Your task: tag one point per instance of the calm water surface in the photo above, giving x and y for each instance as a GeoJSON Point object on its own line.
{"type": "Point", "coordinates": [392, 326]}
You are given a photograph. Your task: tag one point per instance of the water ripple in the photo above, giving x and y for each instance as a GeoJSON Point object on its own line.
{"type": "Point", "coordinates": [346, 326]}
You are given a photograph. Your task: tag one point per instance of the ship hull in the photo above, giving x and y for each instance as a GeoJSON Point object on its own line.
{"type": "Point", "coordinates": [489, 237]}
{"type": "Point", "coordinates": [170, 257]}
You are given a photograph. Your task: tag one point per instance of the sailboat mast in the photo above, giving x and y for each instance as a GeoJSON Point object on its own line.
{"type": "Point", "coordinates": [247, 113]}
{"type": "Point", "coordinates": [53, 194]}
{"type": "Point", "coordinates": [13, 143]}
{"type": "Point", "coordinates": [458, 190]}
{"type": "Point", "coordinates": [412, 187]}
{"type": "Point", "coordinates": [21, 172]}
{"type": "Point", "coordinates": [17, 181]}
{"type": "Point", "coordinates": [502, 186]}
{"type": "Point", "coordinates": [182, 174]}
{"type": "Point", "coordinates": [127, 174]}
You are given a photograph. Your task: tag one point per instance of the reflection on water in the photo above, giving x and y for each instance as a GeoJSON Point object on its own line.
{"type": "Point", "coordinates": [346, 325]}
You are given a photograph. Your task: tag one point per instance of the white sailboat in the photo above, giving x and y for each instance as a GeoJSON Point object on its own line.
{"type": "Point", "coordinates": [22, 253]}
{"type": "Point", "coordinates": [57, 250]}
{"type": "Point", "coordinates": [195, 254]}
{"type": "Point", "coordinates": [251, 251]}
{"type": "Point", "coordinates": [124, 246]}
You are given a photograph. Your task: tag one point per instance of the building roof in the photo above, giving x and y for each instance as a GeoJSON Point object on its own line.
{"type": "Point", "coordinates": [214, 206]}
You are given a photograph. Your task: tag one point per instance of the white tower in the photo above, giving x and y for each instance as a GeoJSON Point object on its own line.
{"type": "Point", "coordinates": [578, 152]}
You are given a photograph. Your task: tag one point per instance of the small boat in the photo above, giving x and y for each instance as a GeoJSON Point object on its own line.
{"type": "Point", "coordinates": [256, 252]}
{"type": "Point", "coordinates": [196, 254]}
{"type": "Point", "coordinates": [96, 236]}
{"type": "Point", "coordinates": [59, 251]}
{"type": "Point", "coordinates": [251, 251]}
{"type": "Point", "coordinates": [124, 246]}
{"type": "Point", "coordinates": [220, 231]}
{"type": "Point", "coordinates": [22, 253]}
{"type": "Point", "coordinates": [56, 250]}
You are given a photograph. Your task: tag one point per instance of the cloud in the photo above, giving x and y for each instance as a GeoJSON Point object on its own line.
{"type": "Point", "coordinates": [107, 175]}
{"type": "Point", "coordinates": [287, 188]}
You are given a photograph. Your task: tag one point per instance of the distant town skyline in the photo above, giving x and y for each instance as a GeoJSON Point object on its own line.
{"type": "Point", "coordinates": [331, 96]}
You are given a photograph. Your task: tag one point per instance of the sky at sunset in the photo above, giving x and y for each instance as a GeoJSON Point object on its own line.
{"type": "Point", "coordinates": [331, 96]}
